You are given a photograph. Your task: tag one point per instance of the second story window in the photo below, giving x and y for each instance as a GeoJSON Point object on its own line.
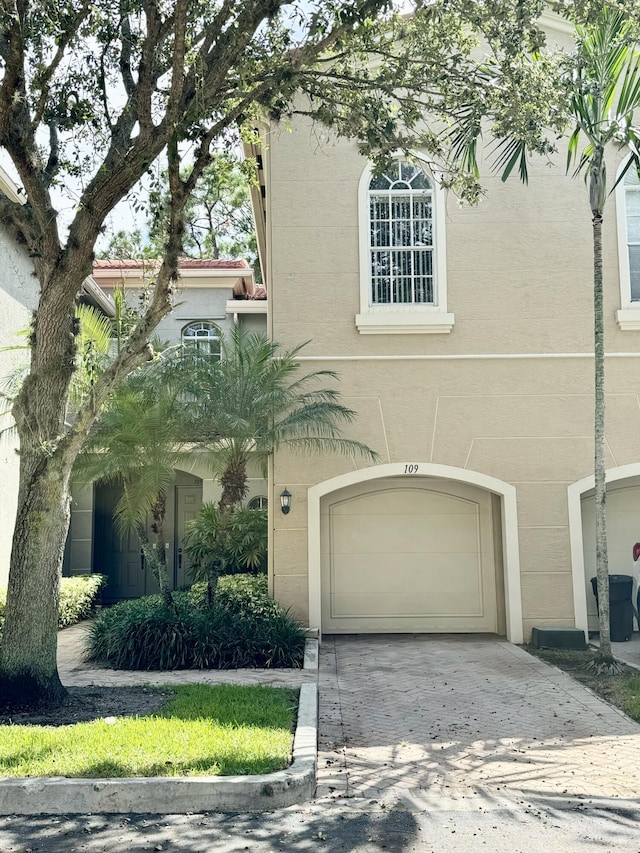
{"type": "Point", "coordinates": [402, 253]}
{"type": "Point", "coordinates": [401, 237]}
{"type": "Point", "coordinates": [202, 336]}
{"type": "Point", "coordinates": [632, 209]}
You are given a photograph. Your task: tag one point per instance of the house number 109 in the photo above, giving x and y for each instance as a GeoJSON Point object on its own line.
{"type": "Point", "coordinates": [410, 469]}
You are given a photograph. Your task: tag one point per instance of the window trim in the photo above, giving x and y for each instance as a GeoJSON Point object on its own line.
{"type": "Point", "coordinates": [628, 315]}
{"type": "Point", "coordinates": [194, 340]}
{"type": "Point", "coordinates": [412, 318]}
{"type": "Point", "coordinates": [255, 499]}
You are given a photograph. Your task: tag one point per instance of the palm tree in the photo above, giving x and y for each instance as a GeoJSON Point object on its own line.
{"type": "Point", "coordinates": [252, 400]}
{"type": "Point", "coordinates": [136, 443]}
{"type": "Point", "coordinates": [603, 88]}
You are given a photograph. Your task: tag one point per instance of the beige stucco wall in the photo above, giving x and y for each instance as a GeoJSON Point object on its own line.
{"type": "Point", "coordinates": [508, 393]}
{"type": "Point", "coordinates": [18, 298]}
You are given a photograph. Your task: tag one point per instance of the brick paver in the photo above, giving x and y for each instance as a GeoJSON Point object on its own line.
{"type": "Point", "coordinates": [464, 717]}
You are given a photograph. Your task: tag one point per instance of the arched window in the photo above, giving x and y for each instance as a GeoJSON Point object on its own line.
{"type": "Point", "coordinates": [402, 253]}
{"type": "Point", "coordinates": [401, 237]}
{"type": "Point", "coordinates": [259, 502]}
{"type": "Point", "coordinates": [203, 336]}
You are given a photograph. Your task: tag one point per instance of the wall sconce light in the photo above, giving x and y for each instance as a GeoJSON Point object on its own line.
{"type": "Point", "coordinates": [285, 501]}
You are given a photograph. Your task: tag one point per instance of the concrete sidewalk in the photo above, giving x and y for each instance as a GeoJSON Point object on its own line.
{"type": "Point", "coordinates": [442, 722]}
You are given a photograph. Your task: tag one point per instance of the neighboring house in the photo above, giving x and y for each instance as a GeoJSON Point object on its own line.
{"type": "Point", "coordinates": [463, 338]}
{"type": "Point", "coordinates": [18, 298]}
{"type": "Point", "coordinates": [211, 296]}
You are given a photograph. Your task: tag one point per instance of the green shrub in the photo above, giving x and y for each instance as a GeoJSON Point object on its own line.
{"type": "Point", "coordinates": [245, 628]}
{"type": "Point", "coordinates": [77, 597]}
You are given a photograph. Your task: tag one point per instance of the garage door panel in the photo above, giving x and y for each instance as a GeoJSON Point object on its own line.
{"type": "Point", "coordinates": [406, 604]}
{"type": "Point", "coordinates": [404, 502]}
{"type": "Point", "coordinates": [409, 559]}
{"type": "Point", "coordinates": [406, 534]}
{"type": "Point", "coordinates": [441, 572]}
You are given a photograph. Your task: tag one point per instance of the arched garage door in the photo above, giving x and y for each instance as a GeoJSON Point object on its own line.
{"type": "Point", "coordinates": [408, 556]}
{"type": "Point", "coordinates": [623, 530]}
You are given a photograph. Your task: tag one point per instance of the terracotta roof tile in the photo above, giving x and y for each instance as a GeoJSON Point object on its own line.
{"type": "Point", "coordinates": [185, 264]}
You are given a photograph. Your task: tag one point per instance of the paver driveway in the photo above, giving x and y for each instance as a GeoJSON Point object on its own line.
{"type": "Point", "coordinates": [460, 718]}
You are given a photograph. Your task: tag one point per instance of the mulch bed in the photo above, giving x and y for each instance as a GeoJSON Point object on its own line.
{"type": "Point", "coordinates": [84, 704]}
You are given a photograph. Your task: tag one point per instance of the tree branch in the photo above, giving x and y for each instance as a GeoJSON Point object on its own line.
{"type": "Point", "coordinates": [63, 41]}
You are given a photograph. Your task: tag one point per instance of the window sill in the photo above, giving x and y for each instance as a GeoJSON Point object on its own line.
{"type": "Point", "coordinates": [628, 319]}
{"type": "Point", "coordinates": [400, 323]}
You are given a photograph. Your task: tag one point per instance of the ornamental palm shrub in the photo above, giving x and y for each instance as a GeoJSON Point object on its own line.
{"type": "Point", "coordinates": [244, 628]}
{"type": "Point", "coordinates": [250, 401]}
{"type": "Point", "coordinates": [242, 549]}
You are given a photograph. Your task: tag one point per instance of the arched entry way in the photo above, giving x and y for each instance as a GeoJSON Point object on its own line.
{"type": "Point", "coordinates": [408, 547]}
{"type": "Point", "coordinates": [623, 530]}
{"type": "Point", "coordinates": [119, 558]}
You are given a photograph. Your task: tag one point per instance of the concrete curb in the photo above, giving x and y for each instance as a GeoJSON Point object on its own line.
{"type": "Point", "coordinates": [178, 795]}
{"type": "Point", "coordinates": [311, 653]}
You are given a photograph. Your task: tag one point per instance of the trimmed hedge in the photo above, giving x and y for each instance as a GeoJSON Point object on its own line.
{"type": "Point", "coordinates": [245, 628]}
{"type": "Point", "coordinates": [77, 598]}
{"type": "Point", "coordinates": [78, 595]}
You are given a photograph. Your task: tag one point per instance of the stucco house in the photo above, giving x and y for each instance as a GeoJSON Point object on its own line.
{"type": "Point", "coordinates": [19, 293]}
{"type": "Point", "coordinates": [18, 298]}
{"type": "Point", "coordinates": [463, 338]}
{"type": "Point", "coordinates": [212, 295]}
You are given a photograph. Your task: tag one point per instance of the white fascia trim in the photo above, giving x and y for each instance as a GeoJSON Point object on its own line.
{"type": "Point", "coordinates": [414, 322]}
{"type": "Point", "coordinates": [246, 306]}
{"type": "Point", "coordinates": [397, 320]}
{"type": "Point", "coordinates": [10, 188]}
{"type": "Point", "coordinates": [574, 502]}
{"type": "Point", "coordinates": [184, 275]}
{"type": "Point", "coordinates": [104, 301]}
{"type": "Point", "coordinates": [428, 470]}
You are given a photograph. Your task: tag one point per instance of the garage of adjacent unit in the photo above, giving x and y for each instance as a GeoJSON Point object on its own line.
{"type": "Point", "coordinates": [405, 555]}
{"type": "Point", "coordinates": [623, 530]}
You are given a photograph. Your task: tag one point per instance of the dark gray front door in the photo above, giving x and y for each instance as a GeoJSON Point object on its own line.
{"type": "Point", "coordinates": [118, 557]}
{"type": "Point", "coordinates": [188, 503]}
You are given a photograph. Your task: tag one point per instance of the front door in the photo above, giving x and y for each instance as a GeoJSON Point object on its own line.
{"type": "Point", "coordinates": [118, 557]}
{"type": "Point", "coordinates": [188, 503]}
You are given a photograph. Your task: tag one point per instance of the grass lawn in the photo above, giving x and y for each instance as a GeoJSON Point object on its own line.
{"type": "Point", "coordinates": [622, 690]}
{"type": "Point", "coordinates": [203, 730]}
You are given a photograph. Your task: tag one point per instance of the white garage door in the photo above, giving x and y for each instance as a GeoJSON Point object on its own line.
{"type": "Point", "coordinates": [623, 530]}
{"type": "Point", "coordinates": [408, 558]}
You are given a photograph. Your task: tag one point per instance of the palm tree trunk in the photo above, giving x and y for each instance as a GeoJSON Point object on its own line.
{"type": "Point", "coordinates": [155, 557]}
{"type": "Point", "coordinates": [602, 560]}
{"type": "Point", "coordinates": [158, 511]}
{"type": "Point", "coordinates": [234, 489]}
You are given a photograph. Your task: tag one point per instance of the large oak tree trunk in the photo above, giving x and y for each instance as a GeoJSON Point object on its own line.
{"type": "Point", "coordinates": [29, 674]}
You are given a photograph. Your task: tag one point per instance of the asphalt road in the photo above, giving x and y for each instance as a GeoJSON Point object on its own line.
{"type": "Point", "coordinates": [356, 827]}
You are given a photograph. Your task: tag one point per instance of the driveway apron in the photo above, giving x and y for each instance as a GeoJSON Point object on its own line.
{"type": "Point", "coordinates": [464, 718]}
